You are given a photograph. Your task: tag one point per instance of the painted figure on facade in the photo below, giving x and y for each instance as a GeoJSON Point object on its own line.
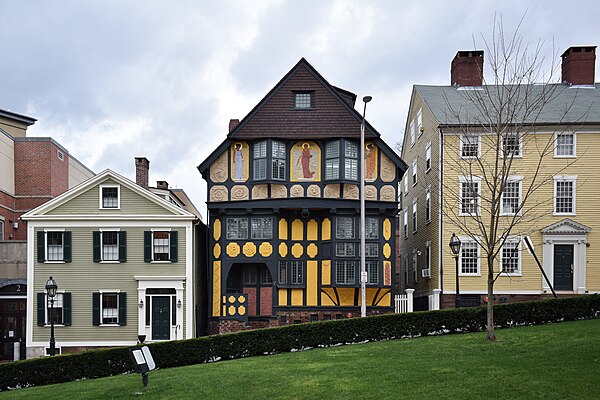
{"type": "Point", "coordinates": [370, 161]}
{"type": "Point", "coordinates": [238, 161]}
{"type": "Point", "coordinates": [306, 164]}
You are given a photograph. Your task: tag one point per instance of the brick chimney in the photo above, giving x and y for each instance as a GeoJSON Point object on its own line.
{"type": "Point", "coordinates": [162, 185]}
{"type": "Point", "coordinates": [578, 65]}
{"type": "Point", "coordinates": [142, 168]}
{"type": "Point", "coordinates": [233, 123]}
{"type": "Point", "coordinates": [467, 68]}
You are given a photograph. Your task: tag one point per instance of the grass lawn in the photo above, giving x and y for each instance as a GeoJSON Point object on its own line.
{"type": "Point", "coordinates": [557, 361]}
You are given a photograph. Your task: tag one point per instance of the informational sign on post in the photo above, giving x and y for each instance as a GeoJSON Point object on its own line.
{"type": "Point", "coordinates": [142, 362]}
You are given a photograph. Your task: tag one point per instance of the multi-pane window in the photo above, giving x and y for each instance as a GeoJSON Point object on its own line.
{"type": "Point", "coordinates": [420, 122]}
{"type": "Point", "coordinates": [371, 228]}
{"type": "Point", "coordinates": [469, 258]}
{"type": "Point", "coordinates": [344, 249]}
{"type": "Point", "coordinates": [415, 267]}
{"type": "Point", "coordinates": [1, 230]}
{"type": "Point", "coordinates": [428, 256]}
{"type": "Point", "coordinates": [414, 216]}
{"type": "Point", "coordinates": [414, 172]}
{"type": "Point", "coordinates": [110, 308]}
{"type": "Point", "coordinates": [283, 272]}
{"type": "Point", "coordinates": [405, 222]}
{"type": "Point", "coordinates": [565, 145]}
{"type": "Point", "coordinates": [264, 275]}
{"type": "Point", "coordinates": [428, 157]}
{"type": "Point", "coordinates": [332, 160]}
{"type": "Point", "coordinates": [511, 145]}
{"type": "Point", "coordinates": [110, 246]}
{"type": "Point", "coordinates": [344, 228]}
{"type": "Point", "coordinates": [564, 196]}
{"type": "Point", "coordinates": [302, 100]}
{"type": "Point", "coordinates": [469, 197]}
{"type": "Point", "coordinates": [345, 272]}
{"type": "Point", "coordinates": [428, 206]}
{"type": "Point", "coordinates": [511, 197]}
{"type": "Point", "coordinates": [351, 161]}
{"type": "Point", "coordinates": [405, 268]}
{"type": "Point", "coordinates": [160, 246]}
{"type": "Point", "coordinates": [249, 275]}
{"type": "Point", "coordinates": [278, 160]}
{"type": "Point", "coordinates": [237, 228]}
{"type": "Point", "coordinates": [262, 228]}
{"type": "Point", "coordinates": [469, 145]}
{"type": "Point", "coordinates": [511, 257]}
{"type": "Point", "coordinates": [412, 132]}
{"type": "Point", "coordinates": [371, 250]}
{"type": "Point", "coordinates": [55, 249]}
{"type": "Point", "coordinates": [260, 160]}
{"type": "Point", "coordinates": [297, 272]}
{"type": "Point", "coordinates": [110, 197]}
{"type": "Point", "coordinates": [405, 184]}
{"type": "Point", "coordinates": [58, 309]}
{"type": "Point", "coordinates": [372, 268]}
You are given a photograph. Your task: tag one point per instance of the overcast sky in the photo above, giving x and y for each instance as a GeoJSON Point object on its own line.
{"type": "Point", "coordinates": [113, 80]}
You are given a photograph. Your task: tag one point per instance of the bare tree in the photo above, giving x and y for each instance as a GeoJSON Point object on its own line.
{"type": "Point", "coordinates": [495, 123]}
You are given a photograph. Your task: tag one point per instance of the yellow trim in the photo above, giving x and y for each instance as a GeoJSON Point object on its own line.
{"type": "Point", "coordinates": [283, 297]}
{"type": "Point", "coordinates": [346, 296]}
{"type": "Point", "coordinates": [312, 250]}
{"type": "Point", "coordinates": [312, 230]}
{"type": "Point", "coordinates": [387, 250]}
{"type": "Point", "coordinates": [297, 297]}
{"type": "Point", "coordinates": [326, 272]}
{"type": "Point", "coordinates": [216, 306]}
{"type": "Point", "coordinates": [387, 273]}
{"type": "Point", "coordinates": [387, 229]}
{"type": "Point", "coordinates": [217, 229]}
{"type": "Point", "coordinates": [297, 250]}
{"type": "Point", "coordinates": [312, 276]}
{"type": "Point", "coordinates": [326, 229]}
{"type": "Point", "coordinates": [283, 250]}
{"type": "Point", "coordinates": [233, 249]}
{"type": "Point", "coordinates": [326, 300]}
{"type": "Point", "coordinates": [217, 250]}
{"type": "Point", "coordinates": [297, 230]}
{"type": "Point", "coordinates": [283, 229]}
{"type": "Point", "coordinates": [249, 249]}
{"type": "Point", "coordinates": [265, 249]}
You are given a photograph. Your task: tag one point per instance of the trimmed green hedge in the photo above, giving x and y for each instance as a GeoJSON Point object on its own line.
{"type": "Point", "coordinates": [99, 363]}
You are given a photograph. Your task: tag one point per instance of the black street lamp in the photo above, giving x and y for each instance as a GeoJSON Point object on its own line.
{"type": "Point", "coordinates": [455, 247]}
{"type": "Point", "coordinates": [51, 287]}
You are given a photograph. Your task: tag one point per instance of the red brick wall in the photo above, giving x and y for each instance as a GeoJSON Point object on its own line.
{"type": "Point", "coordinates": [578, 65]}
{"type": "Point", "coordinates": [33, 168]}
{"type": "Point", "coordinates": [251, 299]}
{"type": "Point", "coordinates": [266, 300]}
{"type": "Point", "coordinates": [59, 171]}
{"type": "Point", "coordinates": [467, 68]}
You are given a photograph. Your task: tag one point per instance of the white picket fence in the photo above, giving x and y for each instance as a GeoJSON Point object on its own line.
{"type": "Point", "coordinates": [434, 300]}
{"type": "Point", "coordinates": [403, 303]}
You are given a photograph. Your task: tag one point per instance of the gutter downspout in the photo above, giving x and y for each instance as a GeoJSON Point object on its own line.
{"type": "Point", "coordinates": [441, 219]}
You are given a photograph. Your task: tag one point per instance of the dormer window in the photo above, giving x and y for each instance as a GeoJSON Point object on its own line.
{"type": "Point", "coordinates": [303, 100]}
{"type": "Point", "coordinates": [110, 196]}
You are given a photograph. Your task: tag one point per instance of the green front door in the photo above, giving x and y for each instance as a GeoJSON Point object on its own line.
{"type": "Point", "coordinates": [161, 317]}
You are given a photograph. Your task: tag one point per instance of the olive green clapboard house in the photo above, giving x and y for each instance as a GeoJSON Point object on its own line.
{"type": "Point", "coordinates": [123, 261]}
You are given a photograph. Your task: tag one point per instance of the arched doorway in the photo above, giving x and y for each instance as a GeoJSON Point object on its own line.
{"type": "Point", "coordinates": [256, 281]}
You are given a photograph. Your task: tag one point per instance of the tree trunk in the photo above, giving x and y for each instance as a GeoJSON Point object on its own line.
{"type": "Point", "coordinates": [491, 335]}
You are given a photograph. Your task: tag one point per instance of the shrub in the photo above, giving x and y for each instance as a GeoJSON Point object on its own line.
{"type": "Point", "coordinates": [99, 363]}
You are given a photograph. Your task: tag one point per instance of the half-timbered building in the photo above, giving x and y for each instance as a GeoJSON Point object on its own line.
{"type": "Point", "coordinates": [284, 210]}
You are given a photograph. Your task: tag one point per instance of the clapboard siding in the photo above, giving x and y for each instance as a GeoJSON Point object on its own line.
{"type": "Point", "coordinates": [82, 277]}
{"type": "Point", "coordinates": [88, 203]}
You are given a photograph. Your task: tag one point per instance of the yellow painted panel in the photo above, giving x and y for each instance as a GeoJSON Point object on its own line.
{"type": "Point", "coordinates": [326, 272]}
{"type": "Point", "coordinates": [325, 300]}
{"type": "Point", "coordinates": [283, 250]}
{"type": "Point", "coordinates": [346, 296]}
{"type": "Point", "coordinates": [326, 229]}
{"type": "Point", "coordinates": [217, 229]}
{"type": "Point", "coordinates": [387, 229]}
{"type": "Point", "coordinates": [216, 288]}
{"type": "Point", "coordinates": [297, 230]}
{"type": "Point", "coordinates": [233, 249]}
{"type": "Point", "coordinates": [265, 249]}
{"type": "Point", "coordinates": [312, 250]}
{"type": "Point", "coordinates": [297, 297]}
{"type": "Point", "coordinates": [371, 292]}
{"type": "Point", "coordinates": [217, 250]}
{"type": "Point", "coordinates": [387, 250]}
{"type": "Point", "coordinates": [283, 229]}
{"type": "Point", "coordinates": [386, 300]}
{"type": "Point", "coordinates": [312, 230]}
{"type": "Point", "coordinates": [297, 250]}
{"type": "Point", "coordinates": [387, 273]}
{"type": "Point", "coordinates": [249, 249]}
{"type": "Point", "coordinates": [283, 297]}
{"type": "Point", "coordinates": [312, 275]}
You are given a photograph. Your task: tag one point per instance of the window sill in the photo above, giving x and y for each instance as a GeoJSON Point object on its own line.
{"type": "Point", "coordinates": [557, 156]}
{"type": "Point", "coordinates": [427, 170]}
{"type": "Point", "coordinates": [516, 274]}
{"type": "Point", "coordinates": [468, 214]}
{"type": "Point", "coordinates": [507, 214]}
{"type": "Point", "coordinates": [54, 262]}
{"type": "Point", "coordinates": [55, 325]}
{"type": "Point", "coordinates": [467, 275]}
{"type": "Point", "coordinates": [559, 214]}
{"type": "Point", "coordinates": [109, 325]}
{"type": "Point", "coordinates": [109, 208]}
{"type": "Point", "coordinates": [161, 262]}
{"type": "Point", "coordinates": [110, 262]}
{"type": "Point", "coordinates": [427, 222]}
{"type": "Point", "coordinates": [469, 157]}
{"type": "Point", "coordinates": [302, 108]}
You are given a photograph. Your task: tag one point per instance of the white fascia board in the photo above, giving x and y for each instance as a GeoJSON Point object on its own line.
{"type": "Point", "coordinates": [103, 217]}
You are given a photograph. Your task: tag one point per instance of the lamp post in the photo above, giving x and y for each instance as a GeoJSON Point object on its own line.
{"type": "Point", "coordinates": [455, 247]}
{"type": "Point", "coordinates": [363, 268]}
{"type": "Point", "coordinates": [51, 287]}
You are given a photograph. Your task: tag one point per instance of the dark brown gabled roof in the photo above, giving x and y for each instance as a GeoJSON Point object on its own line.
{"type": "Point", "coordinates": [332, 113]}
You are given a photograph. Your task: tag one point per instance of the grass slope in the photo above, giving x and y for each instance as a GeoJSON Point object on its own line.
{"type": "Point", "coordinates": [547, 362]}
